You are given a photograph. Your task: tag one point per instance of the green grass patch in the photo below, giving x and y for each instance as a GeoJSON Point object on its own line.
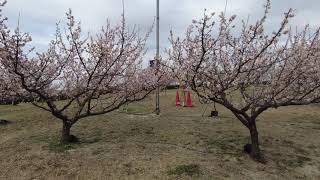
{"type": "Point", "coordinates": [189, 170]}
{"type": "Point", "coordinates": [54, 145]}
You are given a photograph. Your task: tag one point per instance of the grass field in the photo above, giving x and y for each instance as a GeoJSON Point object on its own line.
{"type": "Point", "coordinates": [178, 144]}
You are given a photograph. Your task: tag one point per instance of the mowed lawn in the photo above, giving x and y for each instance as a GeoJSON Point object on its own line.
{"type": "Point", "coordinates": [178, 144]}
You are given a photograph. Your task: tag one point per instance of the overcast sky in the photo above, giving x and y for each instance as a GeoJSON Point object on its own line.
{"type": "Point", "coordinates": [38, 17]}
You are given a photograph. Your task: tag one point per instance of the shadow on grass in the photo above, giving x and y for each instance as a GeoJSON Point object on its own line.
{"type": "Point", "coordinates": [228, 144]}
{"type": "Point", "coordinates": [232, 145]}
{"type": "Point", "coordinates": [53, 144]}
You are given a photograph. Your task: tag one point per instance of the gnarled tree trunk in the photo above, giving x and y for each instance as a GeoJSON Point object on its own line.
{"type": "Point", "coordinates": [255, 153]}
{"type": "Point", "coordinates": [66, 136]}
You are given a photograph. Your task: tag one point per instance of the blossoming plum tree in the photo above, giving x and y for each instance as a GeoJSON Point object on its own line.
{"type": "Point", "coordinates": [248, 70]}
{"type": "Point", "coordinates": [94, 74]}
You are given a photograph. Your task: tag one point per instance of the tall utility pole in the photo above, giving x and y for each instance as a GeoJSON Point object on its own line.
{"type": "Point", "coordinates": [158, 59]}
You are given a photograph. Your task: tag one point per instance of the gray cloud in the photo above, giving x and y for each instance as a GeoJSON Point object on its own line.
{"type": "Point", "coordinates": [38, 17]}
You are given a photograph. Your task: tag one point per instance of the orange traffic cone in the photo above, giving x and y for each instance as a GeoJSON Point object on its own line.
{"type": "Point", "coordinates": [177, 99]}
{"type": "Point", "coordinates": [189, 101]}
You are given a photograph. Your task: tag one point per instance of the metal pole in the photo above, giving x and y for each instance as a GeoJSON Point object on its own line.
{"type": "Point", "coordinates": [158, 60]}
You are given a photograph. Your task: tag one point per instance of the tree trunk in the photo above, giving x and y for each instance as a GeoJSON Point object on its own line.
{"type": "Point", "coordinates": [66, 136]}
{"type": "Point", "coordinates": [255, 153]}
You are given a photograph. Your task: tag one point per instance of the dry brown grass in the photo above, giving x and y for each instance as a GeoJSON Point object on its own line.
{"type": "Point", "coordinates": [178, 144]}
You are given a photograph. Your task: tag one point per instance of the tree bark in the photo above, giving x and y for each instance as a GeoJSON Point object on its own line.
{"type": "Point", "coordinates": [66, 136]}
{"type": "Point", "coordinates": [255, 153]}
